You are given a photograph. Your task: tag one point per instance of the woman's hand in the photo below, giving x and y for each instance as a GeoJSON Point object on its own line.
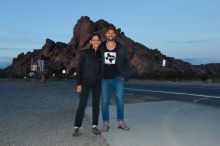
{"type": "Point", "coordinates": [79, 88]}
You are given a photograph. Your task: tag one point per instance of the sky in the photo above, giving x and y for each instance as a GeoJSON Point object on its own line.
{"type": "Point", "coordinates": [183, 29]}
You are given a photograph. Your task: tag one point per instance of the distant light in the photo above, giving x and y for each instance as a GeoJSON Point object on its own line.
{"type": "Point", "coordinates": [164, 62]}
{"type": "Point", "coordinates": [63, 71]}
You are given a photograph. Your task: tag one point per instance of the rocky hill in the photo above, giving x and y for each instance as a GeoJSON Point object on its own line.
{"type": "Point", "coordinates": [146, 62]}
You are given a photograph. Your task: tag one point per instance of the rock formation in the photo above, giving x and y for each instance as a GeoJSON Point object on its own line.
{"type": "Point", "coordinates": [146, 62]}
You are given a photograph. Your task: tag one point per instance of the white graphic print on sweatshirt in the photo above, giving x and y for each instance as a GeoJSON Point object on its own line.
{"type": "Point", "coordinates": [110, 57]}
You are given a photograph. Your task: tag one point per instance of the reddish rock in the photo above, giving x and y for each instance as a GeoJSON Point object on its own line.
{"type": "Point", "coordinates": [146, 62]}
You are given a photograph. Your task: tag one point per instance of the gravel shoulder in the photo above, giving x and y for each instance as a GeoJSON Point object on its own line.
{"type": "Point", "coordinates": [33, 113]}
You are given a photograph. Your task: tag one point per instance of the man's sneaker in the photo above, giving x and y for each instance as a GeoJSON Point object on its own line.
{"type": "Point", "coordinates": [105, 128]}
{"type": "Point", "coordinates": [76, 132]}
{"type": "Point", "coordinates": [96, 131]}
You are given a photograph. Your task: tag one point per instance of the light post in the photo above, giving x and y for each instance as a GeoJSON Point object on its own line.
{"type": "Point", "coordinates": [63, 72]}
{"type": "Point", "coordinates": [163, 68]}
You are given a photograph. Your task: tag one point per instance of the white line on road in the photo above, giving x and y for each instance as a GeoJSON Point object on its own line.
{"type": "Point", "coordinates": [177, 93]}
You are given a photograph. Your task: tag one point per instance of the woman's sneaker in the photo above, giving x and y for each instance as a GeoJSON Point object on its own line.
{"type": "Point", "coordinates": [76, 132]}
{"type": "Point", "coordinates": [96, 131]}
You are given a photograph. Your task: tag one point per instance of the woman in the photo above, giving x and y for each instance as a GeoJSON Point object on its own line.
{"type": "Point", "coordinates": [89, 78]}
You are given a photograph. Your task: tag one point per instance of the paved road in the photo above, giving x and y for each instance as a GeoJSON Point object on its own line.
{"type": "Point", "coordinates": [165, 123]}
{"type": "Point", "coordinates": [191, 92]}
{"type": "Point", "coordinates": [173, 116]}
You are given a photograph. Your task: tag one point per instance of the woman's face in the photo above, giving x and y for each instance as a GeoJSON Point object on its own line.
{"type": "Point", "coordinates": [95, 42]}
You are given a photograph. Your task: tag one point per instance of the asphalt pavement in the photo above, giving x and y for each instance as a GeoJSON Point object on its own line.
{"type": "Point", "coordinates": [182, 117]}
{"type": "Point", "coordinates": [165, 123]}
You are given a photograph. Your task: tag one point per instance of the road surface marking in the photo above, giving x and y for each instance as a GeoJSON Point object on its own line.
{"type": "Point", "coordinates": [177, 93]}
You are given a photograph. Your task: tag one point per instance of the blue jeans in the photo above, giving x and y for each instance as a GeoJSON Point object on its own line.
{"type": "Point", "coordinates": [118, 84]}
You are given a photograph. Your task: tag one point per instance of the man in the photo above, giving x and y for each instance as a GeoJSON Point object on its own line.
{"type": "Point", "coordinates": [115, 70]}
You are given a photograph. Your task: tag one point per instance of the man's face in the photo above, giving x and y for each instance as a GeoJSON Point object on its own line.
{"type": "Point", "coordinates": [110, 35]}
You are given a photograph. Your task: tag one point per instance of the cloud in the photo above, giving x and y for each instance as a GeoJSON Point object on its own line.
{"type": "Point", "coordinates": [4, 64]}
{"type": "Point", "coordinates": [194, 41]}
{"type": "Point", "coordinates": [6, 59]}
{"type": "Point", "coordinates": [32, 39]}
{"type": "Point", "coordinates": [198, 61]}
{"type": "Point", "coordinates": [11, 52]}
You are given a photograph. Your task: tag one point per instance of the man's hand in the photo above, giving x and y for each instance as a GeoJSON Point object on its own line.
{"type": "Point", "coordinates": [79, 88]}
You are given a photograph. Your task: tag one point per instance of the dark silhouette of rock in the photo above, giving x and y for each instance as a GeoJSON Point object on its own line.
{"type": "Point", "coordinates": [209, 72]}
{"type": "Point", "coordinates": [146, 62]}
{"type": "Point", "coordinates": [3, 73]}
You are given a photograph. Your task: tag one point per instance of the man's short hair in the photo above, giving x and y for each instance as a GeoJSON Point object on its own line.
{"type": "Point", "coordinates": [111, 27]}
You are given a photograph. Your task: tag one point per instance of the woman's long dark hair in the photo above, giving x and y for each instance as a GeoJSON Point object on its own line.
{"type": "Point", "coordinates": [94, 34]}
